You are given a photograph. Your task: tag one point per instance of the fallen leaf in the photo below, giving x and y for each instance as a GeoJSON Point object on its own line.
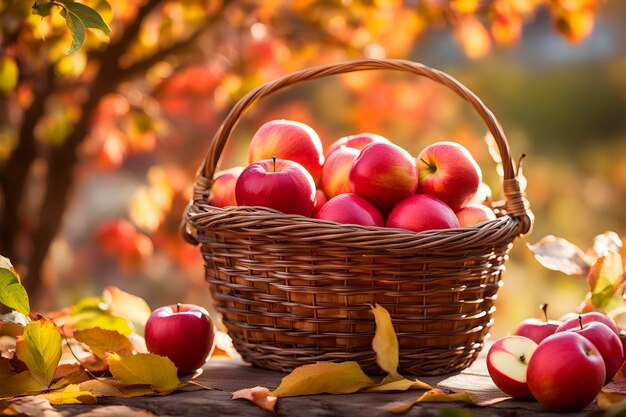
{"type": "Point", "coordinates": [101, 341]}
{"type": "Point", "coordinates": [259, 396]}
{"type": "Point", "coordinates": [69, 374]}
{"type": "Point", "coordinates": [40, 349]}
{"type": "Point", "coordinates": [560, 255]}
{"type": "Point", "coordinates": [399, 384]}
{"type": "Point", "coordinates": [12, 293]}
{"type": "Point", "coordinates": [385, 344]}
{"type": "Point", "coordinates": [323, 377]}
{"type": "Point", "coordinates": [71, 394]}
{"type": "Point", "coordinates": [28, 406]}
{"type": "Point", "coordinates": [12, 324]}
{"type": "Point", "coordinates": [144, 369]}
{"type": "Point", "coordinates": [20, 384]}
{"type": "Point", "coordinates": [92, 312]}
{"type": "Point", "coordinates": [108, 387]}
{"type": "Point", "coordinates": [133, 308]}
{"type": "Point", "coordinates": [434, 396]}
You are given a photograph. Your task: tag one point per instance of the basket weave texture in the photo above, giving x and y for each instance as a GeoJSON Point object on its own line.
{"type": "Point", "coordinates": [294, 290]}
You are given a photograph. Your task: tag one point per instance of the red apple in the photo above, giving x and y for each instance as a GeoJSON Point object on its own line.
{"type": "Point", "coordinates": [483, 194]}
{"type": "Point", "coordinates": [421, 212]}
{"type": "Point", "coordinates": [286, 139]}
{"type": "Point", "coordinates": [182, 332]}
{"type": "Point", "coordinates": [507, 362]}
{"type": "Point", "coordinates": [606, 341]}
{"type": "Point", "coordinates": [223, 188]}
{"type": "Point", "coordinates": [350, 208]}
{"type": "Point", "coordinates": [536, 329]}
{"type": "Point", "coordinates": [336, 171]}
{"type": "Point", "coordinates": [320, 200]}
{"type": "Point", "coordinates": [384, 174]}
{"type": "Point", "coordinates": [279, 184]}
{"type": "Point", "coordinates": [357, 142]}
{"type": "Point", "coordinates": [473, 214]}
{"type": "Point", "coordinates": [570, 321]}
{"type": "Point", "coordinates": [566, 372]}
{"type": "Point", "coordinates": [449, 172]}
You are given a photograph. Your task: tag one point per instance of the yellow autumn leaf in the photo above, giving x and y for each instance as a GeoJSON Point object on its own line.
{"type": "Point", "coordinates": [40, 349]}
{"type": "Point", "coordinates": [398, 383]}
{"type": "Point", "coordinates": [259, 396]}
{"type": "Point", "coordinates": [123, 304]}
{"type": "Point", "coordinates": [323, 377]}
{"type": "Point", "coordinates": [20, 384]}
{"type": "Point", "coordinates": [605, 281]}
{"type": "Point", "coordinates": [71, 394]}
{"type": "Point", "coordinates": [435, 396]}
{"type": "Point", "coordinates": [108, 387]}
{"type": "Point", "coordinates": [385, 342]}
{"type": "Point", "coordinates": [101, 341]}
{"type": "Point", "coordinates": [144, 369]}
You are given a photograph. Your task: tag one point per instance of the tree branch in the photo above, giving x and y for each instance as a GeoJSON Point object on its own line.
{"type": "Point", "coordinates": [14, 174]}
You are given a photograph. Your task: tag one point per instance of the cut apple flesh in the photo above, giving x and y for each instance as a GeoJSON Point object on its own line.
{"type": "Point", "coordinates": [513, 359]}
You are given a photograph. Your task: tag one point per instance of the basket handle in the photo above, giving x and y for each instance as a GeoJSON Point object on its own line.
{"type": "Point", "coordinates": [515, 203]}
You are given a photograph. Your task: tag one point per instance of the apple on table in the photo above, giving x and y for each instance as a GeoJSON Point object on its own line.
{"type": "Point", "coordinates": [182, 332]}
{"type": "Point", "coordinates": [279, 184]}
{"type": "Point", "coordinates": [566, 372]}
{"type": "Point", "coordinates": [507, 363]}
{"type": "Point", "coordinates": [538, 329]}
{"type": "Point", "coordinates": [290, 140]}
{"type": "Point", "coordinates": [604, 339]}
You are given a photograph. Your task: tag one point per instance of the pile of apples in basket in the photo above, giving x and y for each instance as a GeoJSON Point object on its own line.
{"type": "Point", "coordinates": [362, 179]}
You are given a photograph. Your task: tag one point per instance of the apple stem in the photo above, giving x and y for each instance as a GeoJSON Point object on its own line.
{"type": "Point", "coordinates": [274, 159]}
{"type": "Point", "coordinates": [178, 307]}
{"type": "Point", "coordinates": [544, 308]}
{"type": "Point", "coordinates": [431, 166]}
{"type": "Point", "coordinates": [580, 322]}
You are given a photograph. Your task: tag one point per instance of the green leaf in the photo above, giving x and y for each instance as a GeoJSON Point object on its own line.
{"type": "Point", "coordinates": [101, 341]}
{"type": "Point", "coordinates": [144, 369]}
{"type": "Point", "coordinates": [323, 377]}
{"type": "Point", "coordinates": [40, 349]}
{"type": "Point", "coordinates": [88, 16]}
{"type": "Point", "coordinates": [92, 312]}
{"type": "Point", "coordinates": [76, 27]}
{"type": "Point", "coordinates": [12, 293]}
{"type": "Point", "coordinates": [8, 75]}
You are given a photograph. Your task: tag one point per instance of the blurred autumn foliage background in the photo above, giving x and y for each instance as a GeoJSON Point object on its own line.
{"type": "Point", "coordinates": [98, 148]}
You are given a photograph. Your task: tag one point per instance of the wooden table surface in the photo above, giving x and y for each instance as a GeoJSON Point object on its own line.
{"type": "Point", "coordinates": [228, 375]}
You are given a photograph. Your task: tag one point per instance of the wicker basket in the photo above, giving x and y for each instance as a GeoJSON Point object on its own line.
{"type": "Point", "coordinates": [294, 290]}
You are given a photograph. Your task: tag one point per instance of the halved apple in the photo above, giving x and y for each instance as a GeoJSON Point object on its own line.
{"type": "Point", "coordinates": [507, 362]}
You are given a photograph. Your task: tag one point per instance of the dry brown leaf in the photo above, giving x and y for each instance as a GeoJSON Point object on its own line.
{"type": "Point", "coordinates": [33, 406]}
{"type": "Point", "coordinates": [259, 396]}
{"type": "Point", "coordinates": [401, 384]}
